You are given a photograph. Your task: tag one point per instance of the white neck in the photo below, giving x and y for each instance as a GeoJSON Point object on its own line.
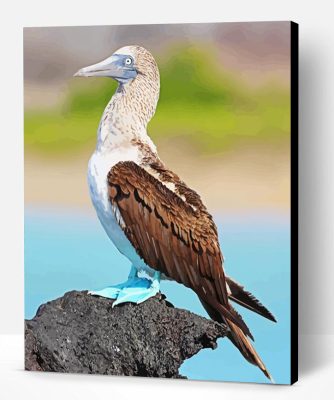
{"type": "Point", "coordinates": [126, 116]}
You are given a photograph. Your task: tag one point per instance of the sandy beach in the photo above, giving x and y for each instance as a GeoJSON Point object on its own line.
{"type": "Point", "coordinates": [254, 178]}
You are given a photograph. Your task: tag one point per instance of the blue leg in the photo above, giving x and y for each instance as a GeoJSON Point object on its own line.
{"type": "Point", "coordinates": [134, 290]}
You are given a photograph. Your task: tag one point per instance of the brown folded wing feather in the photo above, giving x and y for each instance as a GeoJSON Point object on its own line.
{"type": "Point", "coordinates": [172, 236]}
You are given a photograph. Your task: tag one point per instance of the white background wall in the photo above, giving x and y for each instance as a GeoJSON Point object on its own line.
{"type": "Point", "coordinates": [316, 129]}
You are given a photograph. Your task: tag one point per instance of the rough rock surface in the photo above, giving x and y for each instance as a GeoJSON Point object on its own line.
{"type": "Point", "coordinates": [83, 333]}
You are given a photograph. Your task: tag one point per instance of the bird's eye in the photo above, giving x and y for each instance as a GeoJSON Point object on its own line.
{"type": "Point", "coordinates": [128, 61]}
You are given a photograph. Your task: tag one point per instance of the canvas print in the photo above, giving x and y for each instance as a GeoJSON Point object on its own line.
{"type": "Point", "coordinates": [160, 200]}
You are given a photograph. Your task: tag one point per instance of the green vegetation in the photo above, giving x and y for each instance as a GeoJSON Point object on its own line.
{"type": "Point", "coordinates": [199, 102]}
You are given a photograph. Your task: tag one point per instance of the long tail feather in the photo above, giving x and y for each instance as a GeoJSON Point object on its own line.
{"type": "Point", "coordinates": [242, 297]}
{"type": "Point", "coordinates": [244, 345]}
{"type": "Point", "coordinates": [238, 338]}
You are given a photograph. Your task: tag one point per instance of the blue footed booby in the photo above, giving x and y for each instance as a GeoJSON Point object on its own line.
{"type": "Point", "coordinates": [153, 218]}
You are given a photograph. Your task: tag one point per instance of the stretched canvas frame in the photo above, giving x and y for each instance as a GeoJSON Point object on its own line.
{"type": "Point", "coordinates": [47, 324]}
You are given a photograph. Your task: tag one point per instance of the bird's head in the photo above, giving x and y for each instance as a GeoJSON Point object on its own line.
{"type": "Point", "coordinates": [125, 65]}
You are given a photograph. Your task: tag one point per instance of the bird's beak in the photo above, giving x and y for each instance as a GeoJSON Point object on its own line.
{"type": "Point", "coordinates": [107, 67]}
{"type": "Point", "coordinates": [112, 67]}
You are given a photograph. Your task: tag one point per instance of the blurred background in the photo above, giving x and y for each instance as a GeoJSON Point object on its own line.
{"type": "Point", "coordinates": [223, 111]}
{"type": "Point", "coordinates": [222, 124]}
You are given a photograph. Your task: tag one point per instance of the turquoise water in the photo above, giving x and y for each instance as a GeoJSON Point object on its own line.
{"type": "Point", "coordinates": [67, 250]}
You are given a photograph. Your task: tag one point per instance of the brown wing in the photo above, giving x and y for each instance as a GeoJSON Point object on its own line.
{"type": "Point", "coordinates": [171, 236]}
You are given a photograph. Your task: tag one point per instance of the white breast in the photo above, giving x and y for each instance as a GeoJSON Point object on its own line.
{"type": "Point", "coordinates": [109, 216]}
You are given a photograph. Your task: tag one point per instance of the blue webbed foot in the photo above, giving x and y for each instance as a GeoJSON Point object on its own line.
{"type": "Point", "coordinates": [134, 290]}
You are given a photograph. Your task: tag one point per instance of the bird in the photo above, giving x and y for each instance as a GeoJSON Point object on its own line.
{"type": "Point", "coordinates": [153, 218]}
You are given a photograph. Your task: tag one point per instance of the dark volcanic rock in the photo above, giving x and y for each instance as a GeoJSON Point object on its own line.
{"type": "Point", "coordinates": [83, 333]}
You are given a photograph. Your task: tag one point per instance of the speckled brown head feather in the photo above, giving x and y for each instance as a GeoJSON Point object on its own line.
{"type": "Point", "coordinates": [142, 93]}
